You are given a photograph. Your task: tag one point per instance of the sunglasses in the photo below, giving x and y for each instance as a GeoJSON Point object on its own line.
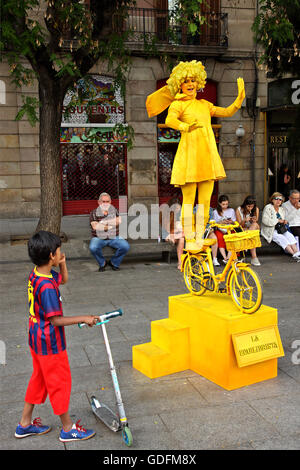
{"type": "Point", "coordinates": [278, 198]}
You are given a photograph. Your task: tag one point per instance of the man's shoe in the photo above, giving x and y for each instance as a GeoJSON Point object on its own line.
{"type": "Point", "coordinates": [102, 268]}
{"type": "Point", "coordinates": [34, 429]}
{"type": "Point", "coordinates": [113, 267]}
{"type": "Point", "coordinates": [77, 433]}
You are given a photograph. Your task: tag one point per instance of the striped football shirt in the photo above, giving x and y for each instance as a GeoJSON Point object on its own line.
{"type": "Point", "coordinates": [45, 302]}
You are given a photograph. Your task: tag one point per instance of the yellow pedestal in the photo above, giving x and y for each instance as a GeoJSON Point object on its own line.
{"type": "Point", "coordinates": [198, 336]}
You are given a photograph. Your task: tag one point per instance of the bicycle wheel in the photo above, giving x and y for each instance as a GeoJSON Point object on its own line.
{"type": "Point", "coordinates": [245, 289]}
{"type": "Point", "coordinates": [193, 271]}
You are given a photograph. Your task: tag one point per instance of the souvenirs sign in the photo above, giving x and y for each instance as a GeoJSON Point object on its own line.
{"type": "Point", "coordinates": [256, 346]}
{"type": "Point", "coordinates": [94, 100]}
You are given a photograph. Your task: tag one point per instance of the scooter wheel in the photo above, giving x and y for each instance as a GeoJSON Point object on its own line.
{"type": "Point", "coordinates": [127, 436]}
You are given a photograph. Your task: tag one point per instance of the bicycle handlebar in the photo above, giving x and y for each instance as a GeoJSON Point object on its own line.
{"type": "Point", "coordinates": [105, 318]}
{"type": "Point", "coordinates": [213, 223]}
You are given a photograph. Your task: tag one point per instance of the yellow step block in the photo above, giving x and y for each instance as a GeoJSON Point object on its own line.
{"type": "Point", "coordinates": [171, 336]}
{"type": "Point", "coordinates": [198, 336]}
{"type": "Point", "coordinates": [167, 353]}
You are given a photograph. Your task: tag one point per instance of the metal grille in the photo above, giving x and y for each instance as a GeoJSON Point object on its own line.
{"type": "Point", "coordinates": [166, 156]}
{"type": "Point", "coordinates": [90, 169]}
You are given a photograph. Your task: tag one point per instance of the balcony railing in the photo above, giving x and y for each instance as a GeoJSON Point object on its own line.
{"type": "Point", "coordinates": [150, 25]}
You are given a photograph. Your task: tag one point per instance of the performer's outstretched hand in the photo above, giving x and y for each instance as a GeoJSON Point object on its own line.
{"type": "Point", "coordinates": [241, 89]}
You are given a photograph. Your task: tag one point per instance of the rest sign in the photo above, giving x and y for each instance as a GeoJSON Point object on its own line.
{"type": "Point", "coordinates": [256, 346]}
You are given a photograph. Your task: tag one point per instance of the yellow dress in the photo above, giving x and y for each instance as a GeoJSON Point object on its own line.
{"type": "Point", "coordinates": [197, 158]}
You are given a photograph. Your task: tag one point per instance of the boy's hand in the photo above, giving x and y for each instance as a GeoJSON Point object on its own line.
{"type": "Point", "coordinates": [91, 320]}
{"type": "Point", "coordinates": [62, 258]}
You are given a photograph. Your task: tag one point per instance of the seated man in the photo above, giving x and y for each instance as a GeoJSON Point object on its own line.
{"type": "Point", "coordinates": [105, 221]}
{"type": "Point", "coordinates": [292, 212]}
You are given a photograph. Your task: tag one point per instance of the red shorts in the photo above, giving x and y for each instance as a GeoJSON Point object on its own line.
{"type": "Point", "coordinates": [51, 376]}
{"type": "Point", "coordinates": [220, 237]}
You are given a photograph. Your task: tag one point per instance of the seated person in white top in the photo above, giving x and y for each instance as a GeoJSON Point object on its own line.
{"type": "Point", "coordinates": [247, 216]}
{"type": "Point", "coordinates": [292, 212]}
{"type": "Point", "coordinates": [225, 215]}
{"type": "Point", "coordinates": [272, 214]}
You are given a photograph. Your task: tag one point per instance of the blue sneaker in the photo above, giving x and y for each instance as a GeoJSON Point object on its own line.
{"type": "Point", "coordinates": [77, 433]}
{"type": "Point", "coordinates": [34, 429]}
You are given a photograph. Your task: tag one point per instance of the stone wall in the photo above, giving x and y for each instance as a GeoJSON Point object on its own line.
{"type": "Point", "coordinates": [19, 157]}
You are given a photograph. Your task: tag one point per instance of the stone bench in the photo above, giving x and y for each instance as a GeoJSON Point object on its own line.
{"type": "Point", "coordinates": [139, 248]}
{"type": "Point", "coordinates": [268, 248]}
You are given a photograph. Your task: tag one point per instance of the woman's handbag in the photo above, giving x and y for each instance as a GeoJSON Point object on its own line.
{"type": "Point", "coordinates": [280, 228]}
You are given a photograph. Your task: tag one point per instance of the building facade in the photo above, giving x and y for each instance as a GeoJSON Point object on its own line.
{"type": "Point", "coordinates": [141, 174]}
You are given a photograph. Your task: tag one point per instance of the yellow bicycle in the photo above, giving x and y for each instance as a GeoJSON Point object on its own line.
{"type": "Point", "coordinates": [238, 278]}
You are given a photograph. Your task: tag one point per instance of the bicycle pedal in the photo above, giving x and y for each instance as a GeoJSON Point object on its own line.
{"type": "Point", "coordinates": [206, 275]}
{"type": "Point", "coordinates": [222, 290]}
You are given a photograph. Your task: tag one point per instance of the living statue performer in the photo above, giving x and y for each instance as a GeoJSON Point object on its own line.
{"type": "Point", "coordinates": [197, 163]}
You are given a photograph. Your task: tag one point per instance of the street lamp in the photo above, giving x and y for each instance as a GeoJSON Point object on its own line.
{"type": "Point", "coordinates": [240, 132]}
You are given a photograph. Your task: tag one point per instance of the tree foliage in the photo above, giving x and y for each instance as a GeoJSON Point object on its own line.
{"type": "Point", "coordinates": [277, 30]}
{"type": "Point", "coordinates": [65, 45]}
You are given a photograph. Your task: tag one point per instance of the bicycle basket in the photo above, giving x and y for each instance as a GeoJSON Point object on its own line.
{"type": "Point", "coordinates": [242, 241]}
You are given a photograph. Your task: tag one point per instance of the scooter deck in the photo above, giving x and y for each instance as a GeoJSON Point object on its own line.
{"type": "Point", "coordinates": [106, 415]}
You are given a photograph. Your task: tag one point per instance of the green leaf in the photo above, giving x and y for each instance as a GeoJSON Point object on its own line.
{"type": "Point", "coordinates": [192, 28]}
{"type": "Point", "coordinates": [29, 109]}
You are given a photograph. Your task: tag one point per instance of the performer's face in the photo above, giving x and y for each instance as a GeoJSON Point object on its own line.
{"type": "Point", "coordinates": [189, 86]}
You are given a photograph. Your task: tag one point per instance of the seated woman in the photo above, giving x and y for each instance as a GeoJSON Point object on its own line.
{"type": "Point", "coordinates": [171, 226]}
{"type": "Point", "coordinates": [225, 215]}
{"type": "Point", "coordinates": [272, 214]}
{"type": "Point", "coordinates": [247, 216]}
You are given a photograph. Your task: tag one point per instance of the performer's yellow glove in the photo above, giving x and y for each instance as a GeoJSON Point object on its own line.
{"type": "Point", "coordinates": [241, 92]}
{"type": "Point", "coordinates": [195, 125]}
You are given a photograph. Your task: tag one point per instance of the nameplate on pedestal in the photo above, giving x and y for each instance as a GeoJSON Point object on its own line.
{"type": "Point", "coordinates": [256, 346]}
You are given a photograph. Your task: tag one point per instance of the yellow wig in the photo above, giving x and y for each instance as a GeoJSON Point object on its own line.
{"type": "Point", "coordinates": [185, 70]}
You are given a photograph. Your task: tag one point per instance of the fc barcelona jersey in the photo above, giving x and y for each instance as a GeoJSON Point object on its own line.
{"type": "Point", "coordinates": [45, 302]}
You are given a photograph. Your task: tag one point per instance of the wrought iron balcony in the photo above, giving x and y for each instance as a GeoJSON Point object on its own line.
{"type": "Point", "coordinates": [153, 26]}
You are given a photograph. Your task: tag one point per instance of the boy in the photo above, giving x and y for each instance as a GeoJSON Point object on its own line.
{"type": "Point", "coordinates": [51, 370]}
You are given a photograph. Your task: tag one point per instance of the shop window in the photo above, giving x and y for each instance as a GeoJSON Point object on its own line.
{"type": "Point", "coordinates": [93, 153]}
{"type": "Point", "coordinates": [90, 169]}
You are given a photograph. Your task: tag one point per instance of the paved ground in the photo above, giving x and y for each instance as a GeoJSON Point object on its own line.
{"type": "Point", "coordinates": [180, 411]}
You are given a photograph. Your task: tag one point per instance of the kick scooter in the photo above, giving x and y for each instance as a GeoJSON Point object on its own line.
{"type": "Point", "coordinates": [104, 413]}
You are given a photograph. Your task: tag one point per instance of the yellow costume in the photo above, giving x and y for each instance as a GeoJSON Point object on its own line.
{"type": "Point", "coordinates": [197, 157]}
{"type": "Point", "coordinates": [197, 163]}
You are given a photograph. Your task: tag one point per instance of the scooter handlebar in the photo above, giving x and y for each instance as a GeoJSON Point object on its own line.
{"type": "Point", "coordinates": [109, 315]}
{"type": "Point", "coordinates": [105, 318]}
